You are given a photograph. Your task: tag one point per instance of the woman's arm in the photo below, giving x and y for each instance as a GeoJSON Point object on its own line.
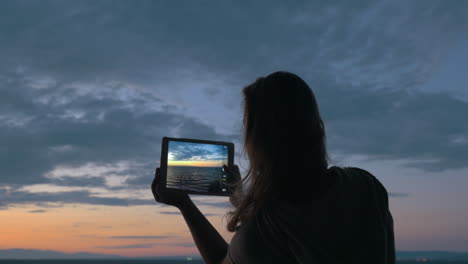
{"type": "Point", "coordinates": [210, 243]}
{"type": "Point", "coordinates": [213, 248]}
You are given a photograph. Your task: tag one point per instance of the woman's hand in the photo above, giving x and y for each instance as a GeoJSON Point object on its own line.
{"type": "Point", "coordinates": [210, 243]}
{"type": "Point", "coordinates": [234, 182]}
{"type": "Point", "coordinates": [171, 197]}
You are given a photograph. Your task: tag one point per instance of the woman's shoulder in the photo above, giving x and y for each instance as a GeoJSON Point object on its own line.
{"type": "Point", "coordinates": [348, 170]}
{"type": "Point", "coordinates": [350, 173]}
{"type": "Point", "coordinates": [360, 177]}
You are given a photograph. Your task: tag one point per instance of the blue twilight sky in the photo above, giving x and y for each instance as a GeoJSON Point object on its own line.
{"type": "Point", "coordinates": [89, 88]}
{"type": "Point", "coordinates": [189, 151]}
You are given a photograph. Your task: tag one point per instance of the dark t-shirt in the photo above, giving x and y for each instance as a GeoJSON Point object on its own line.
{"type": "Point", "coordinates": [349, 223]}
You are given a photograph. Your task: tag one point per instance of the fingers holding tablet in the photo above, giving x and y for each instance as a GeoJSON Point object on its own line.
{"type": "Point", "coordinates": [233, 175]}
{"type": "Point", "coordinates": [155, 185]}
{"type": "Point", "coordinates": [170, 197]}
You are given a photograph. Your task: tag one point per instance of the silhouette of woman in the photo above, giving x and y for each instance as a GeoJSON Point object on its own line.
{"type": "Point", "coordinates": [291, 207]}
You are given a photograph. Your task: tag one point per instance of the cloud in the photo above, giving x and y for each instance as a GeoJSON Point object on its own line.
{"type": "Point", "coordinates": [114, 175]}
{"type": "Point", "coordinates": [178, 213]}
{"type": "Point", "coordinates": [169, 213]}
{"type": "Point", "coordinates": [138, 237]}
{"type": "Point", "coordinates": [396, 194]}
{"type": "Point", "coordinates": [183, 245]}
{"type": "Point", "coordinates": [68, 197]}
{"type": "Point", "coordinates": [49, 195]}
{"type": "Point", "coordinates": [87, 91]}
{"type": "Point", "coordinates": [34, 254]}
{"type": "Point", "coordinates": [399, 125]}
{"type": "Point", "coordinates": [212, 201]}
{"type": "Point", "coordinates": [37, 211]}
{"type": "Point", "coordinates": [193, 151]}
{"type": "Point", "coordinates": [181, 151]}
{"type": "Point", "coordinates": [146, 245]}
{"type": "Point", "coordinates": [85, 151]}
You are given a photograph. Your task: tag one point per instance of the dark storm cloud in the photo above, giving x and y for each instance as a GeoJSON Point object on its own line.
{"type": "Point", "coordinates": [362, 58]}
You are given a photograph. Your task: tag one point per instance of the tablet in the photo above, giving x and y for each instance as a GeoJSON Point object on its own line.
{"type": "Point", "coordinates": [195, 166]}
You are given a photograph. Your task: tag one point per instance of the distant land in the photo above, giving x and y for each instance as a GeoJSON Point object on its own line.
{"type": "Point", "coordinates": [433, 255]}
{"type": "Point", "coordinates": [31, 254]}
{"type": "Point", "coordinates": [17, 253]}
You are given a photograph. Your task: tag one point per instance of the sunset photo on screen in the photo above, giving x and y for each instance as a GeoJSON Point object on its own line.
{"type": "Point", "coordinates": [197, 167]}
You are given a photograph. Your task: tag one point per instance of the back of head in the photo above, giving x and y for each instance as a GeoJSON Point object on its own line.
{"type": "Point", "coordinates": [285, 142]}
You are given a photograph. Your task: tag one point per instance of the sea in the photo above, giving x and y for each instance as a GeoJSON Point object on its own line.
{"type": "Point", "coordinates": [139, 261]}
{"type": "Point", "coordinates": [100, 261]}
{"type": "Point", "coordinates": [199, 179]}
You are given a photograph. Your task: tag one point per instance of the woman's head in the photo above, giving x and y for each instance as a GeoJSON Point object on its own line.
{"type": "Point", "coordinates": [284, 139]}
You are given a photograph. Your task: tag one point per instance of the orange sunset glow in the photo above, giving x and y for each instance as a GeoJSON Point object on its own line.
{"type": "Point", "coordinates": [103, 229]}
{"type": "Point", "coordinates": [194, 163]}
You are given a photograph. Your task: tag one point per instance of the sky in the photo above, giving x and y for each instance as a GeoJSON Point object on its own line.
{"type": "Point", "coordinates": [196, 154]}
{"type": "Point", "coordinates": [89, 88]}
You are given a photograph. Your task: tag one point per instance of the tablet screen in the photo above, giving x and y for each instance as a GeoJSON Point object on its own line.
{"type": "Point", "coordinates": [196, 167]}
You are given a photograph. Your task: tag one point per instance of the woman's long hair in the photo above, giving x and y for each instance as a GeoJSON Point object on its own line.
{"type": "Point", "coordinates": [284, 139]}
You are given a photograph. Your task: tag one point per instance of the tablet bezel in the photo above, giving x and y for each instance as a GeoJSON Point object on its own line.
{"type": "Point", "coordinates": [164, 154]}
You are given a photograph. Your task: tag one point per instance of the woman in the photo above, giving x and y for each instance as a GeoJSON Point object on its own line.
{"type": "Point", "coordinates": [294, 209]}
